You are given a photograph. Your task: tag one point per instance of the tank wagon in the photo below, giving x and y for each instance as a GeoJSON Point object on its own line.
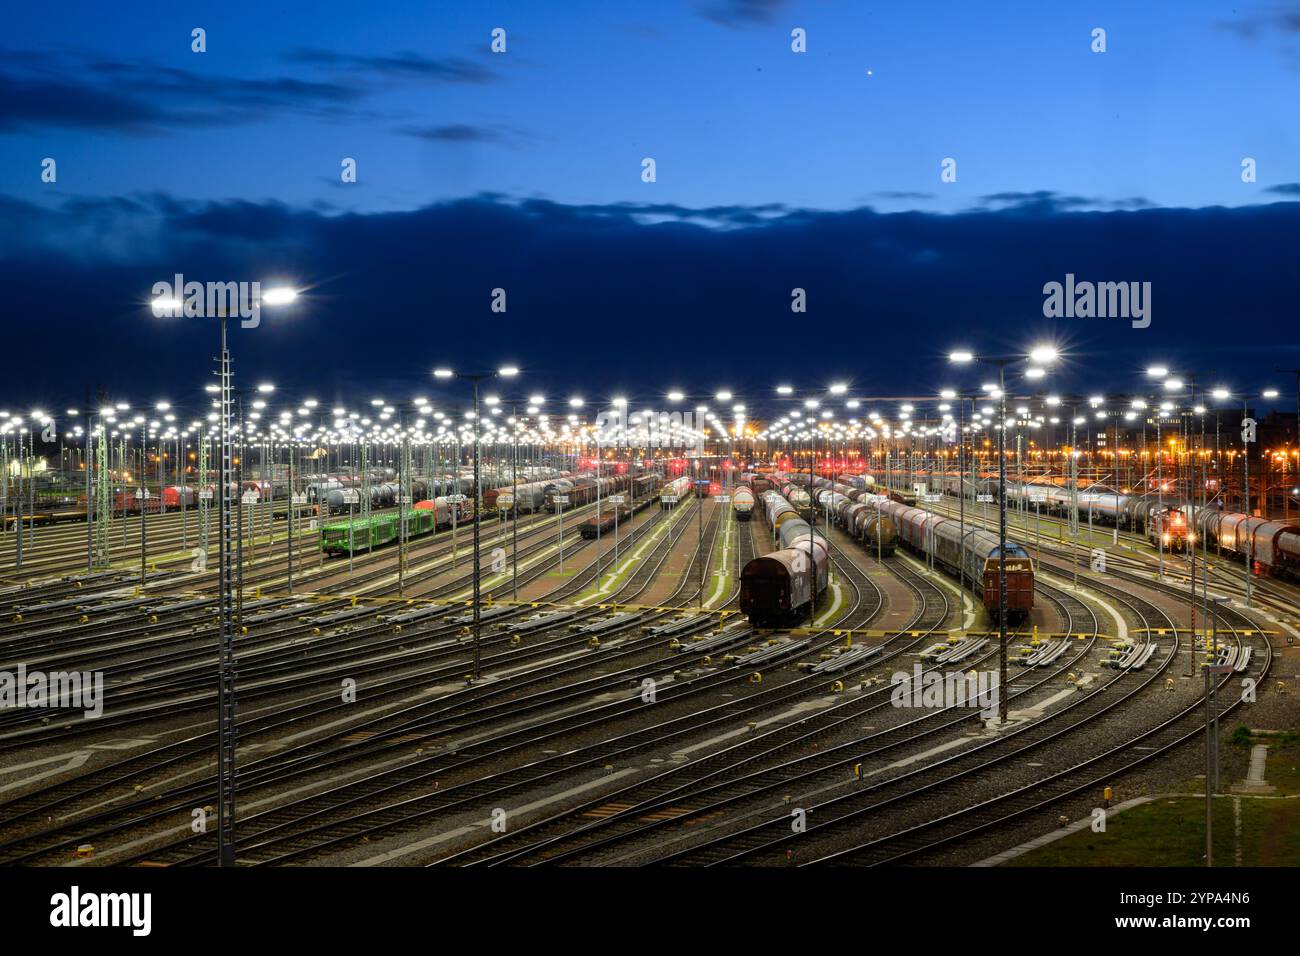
{"type": "Point", "coordinates": [742, 502]}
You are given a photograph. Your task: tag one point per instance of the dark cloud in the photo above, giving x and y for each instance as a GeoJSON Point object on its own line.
{"type": "Point", "coordinates": [631, 295]}
{"type": "Point", "coordinates": [1285, 189]}
{"type": "Point", "coordinates": [901, 194]}
{"type": "Point", "coordinates": [1274, 18]}
{"type": "Point", "coordinates": [27, 102]}
{"type": "Point", "coordinates": [140, 98]}
{"type": "Point", "coordinates": [1049, 201]}
{"type": "Point", "coordinates": [1041, 200]}
{"type": "Point", "coordinates": [146, 98]}
{"type": "Point", "coordinates": [1276, 25]}
{"type": "Point", "coordinates": [455, 133]}
{"type": "Point", "coordinates": [404, 65]}
{"type": "Point", "coordinates": [739, 13]}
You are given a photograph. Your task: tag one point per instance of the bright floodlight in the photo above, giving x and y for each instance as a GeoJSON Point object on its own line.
{"type": "Point", "coordinates": [1270, 393]}
{"type": "Point", "coordinates": [1173, 384]}
{"type": "Point", "coordinates": [508, 371]}
{"type": "Point", "coordinates": [266, 388]}
{"type": "Point", "coordinates": [1157, 371]}
{"type": "Point", "coordinates": [443, 373]}
{"type": "Point", "coordinates": [620, 401]}
{"type": "Point", "coordinates": [961, 357]}
{"type": "Point", "coordinates": [280, 295]}
{"type": "Point", "coordinates": [948, 393]}
{"type": "Point", "coordinates": [839, 388]}
{"type": "Point", "coordinates": [784, 390]}
{"type": "Point", "coordinates": [1035, 372]}
{"type": "Point", "coordinates": [166, 306]}
{"type": "Point", "coordinates": [1044, 355]}
{"type": "Point", "coordinates": [675, 396]}
{"type": "Point", "coordinates": [1220, 392]}
{"type": "Point", "coordinates": [575, 402]}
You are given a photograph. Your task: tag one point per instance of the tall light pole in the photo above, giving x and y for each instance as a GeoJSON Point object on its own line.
{"type": "Point", "coordinates": [476, 377]}
{"type": "Point", "coordinates": [1247, 439]}
{"type": "Point", "coordinates": [1042, 355]}
{"type": "Point", "coordinates": [171, 307]}
{"type": "Point", "coordinates": [1174, 384]}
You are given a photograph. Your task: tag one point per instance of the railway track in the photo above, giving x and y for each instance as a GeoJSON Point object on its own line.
{"type": "Point", "coordinates": [58, 797]}
{"type": "Point", "coordinates": [696, 796]}
{"type": "Point", "coordinates": [901, 813]}
{"type": "Point", "coordinates": [179, 635]}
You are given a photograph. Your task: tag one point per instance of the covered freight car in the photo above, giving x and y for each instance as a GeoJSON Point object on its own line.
{"type": "Point", "coordinates": [779, 587]}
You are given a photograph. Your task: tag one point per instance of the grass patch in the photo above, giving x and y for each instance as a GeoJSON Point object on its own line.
{"type": "Point", "coordinates": [1283, 767]}
{"type": "Point", "coordinates": [1171, 832]}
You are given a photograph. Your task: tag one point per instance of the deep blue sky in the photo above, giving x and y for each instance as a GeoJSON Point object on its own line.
{"type": "Point", "coordinates": [775, 170]}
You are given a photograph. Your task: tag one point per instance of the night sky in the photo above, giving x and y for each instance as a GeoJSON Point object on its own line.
{"type": "Point", "coordinates": [522, 170]}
